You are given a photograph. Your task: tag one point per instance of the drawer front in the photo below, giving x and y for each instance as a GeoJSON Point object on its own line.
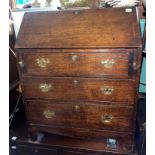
{"type": "Point", "coordinates": [79, 89]}
{"type": "Point", "coordinates": [94, 64]}
{"type": "Point", "coordinates": [82, 134]}
{"type": "Point", "coordinates": [80, 115]}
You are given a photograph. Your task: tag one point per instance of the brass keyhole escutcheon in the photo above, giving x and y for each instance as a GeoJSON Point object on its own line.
{"type": "Point", "coordinates": [77, 107]}
{"type": "Point", "coordinates": [76, 82]}
{"type": "Point", "coordinates": [74, 58]}
{"type": "Point", "coordinates": [42, 62]}
{"type": "Point", "coordinates": [77, 12]}
{"type": "Point", "coordinates": [108, 63]}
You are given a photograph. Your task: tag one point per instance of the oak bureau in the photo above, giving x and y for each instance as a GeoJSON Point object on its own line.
{"type": "Point", "coordinates": [79, 72]}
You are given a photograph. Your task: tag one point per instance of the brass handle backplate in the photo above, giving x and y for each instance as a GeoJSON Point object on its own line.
{"type": "Point", "coordinates": [45, 87]}
{"type": "Point", "coordinates": [107, 90]}
{"type": "Point", "coordinates": [108, 63]}
{"type": "Point", "coordinates": [106, 118]}
{"type": "Point", "coordinates": [49, 114]}
{"type": "Point", "coordinates": [42, 62]}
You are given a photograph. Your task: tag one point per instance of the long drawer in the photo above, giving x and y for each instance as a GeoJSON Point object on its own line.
{"type": "Point", "coordinates": [87, 63]}
{"type": "Point", "coordinates": [80, 115]}
{"type": "Point", "coordinates": [79, 89]}
{"type": "Point", "coordinates": [123, 140]}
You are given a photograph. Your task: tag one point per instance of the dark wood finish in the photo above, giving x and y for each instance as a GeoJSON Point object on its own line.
{"type": "Point", "coordinates": [76, 153]}
{"type": "Point", "coordinates": [31, 150]}
{"type": "Point", "coordinates": [59, 145]}
{"type": "Point", "coordinates": [80, 89]}
{"type": "Point", "coordinates": [84, 133]}
{"type": "Point", "coordinates": [76, 115]}
{"type": "Point", "coordinates": [64, 77]}
{"type": "Point", "coordinates": [52, 142]}
{"type": "Point", "coordinates": [83, 153]}
{"type": "Point", "coordinates": [97, 28]}
{"type": "Point", "coordinates": [87, 62]}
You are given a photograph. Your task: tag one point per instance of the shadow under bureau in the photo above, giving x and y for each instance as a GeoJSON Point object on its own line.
{"type": "Point", "coordinates": [79, 72]}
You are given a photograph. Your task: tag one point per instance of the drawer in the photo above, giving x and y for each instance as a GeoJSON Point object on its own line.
{"type": "Point", "coordinates": [89, 139]}
{"type": "Point", "coordinates": [80, 115]}
{"type": "Point", "coordinates": [86, 63]}
{"type": "Point", "coordinates": [82, 89]}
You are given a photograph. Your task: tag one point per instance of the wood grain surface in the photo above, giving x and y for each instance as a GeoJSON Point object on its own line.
{"type": "Point", "coordinates": [95, 28]}
{"type": "Point", "coordinates": [80, 89]}
{"type": "Point", "coordinates": [75, 63]}
{"type": "Point", "coordinates": [81, 115]}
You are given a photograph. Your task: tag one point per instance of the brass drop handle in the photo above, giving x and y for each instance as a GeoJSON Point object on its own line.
{"type": "Point", "coordinates": [107, 90]}
{"type": "Point", "coordinates": [48, 114]}
{"type": "Point", "coordinates": [45, 87]}
{"type": "Point", "coordinates": [74, 58]}
{"type": "Point", "coordinates": [106, 118]}
{"type": "Point", "coordinates": [42, 62]}
{"type": "Point", "coordinates": [108, 63]}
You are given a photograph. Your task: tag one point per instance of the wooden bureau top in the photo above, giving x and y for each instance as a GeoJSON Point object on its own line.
{"type": "Point", "coordinates": [96, 28]}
